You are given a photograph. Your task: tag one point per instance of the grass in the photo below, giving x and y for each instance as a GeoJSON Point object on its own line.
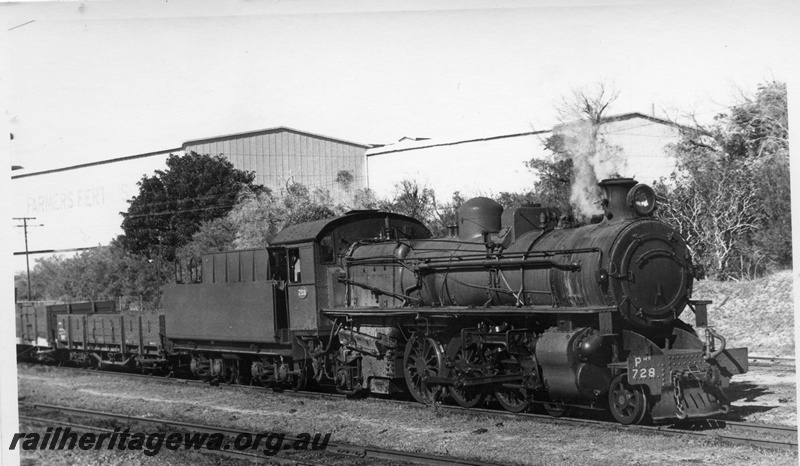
{"type": "Point", "coordinates": [757, 314]}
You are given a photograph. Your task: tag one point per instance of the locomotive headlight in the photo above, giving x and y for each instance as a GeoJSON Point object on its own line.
{"type": "Point", "coordinates": [642, 199]}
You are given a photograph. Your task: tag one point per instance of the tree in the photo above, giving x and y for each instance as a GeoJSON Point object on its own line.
{"type": "Point", "coordinates": [299, 205]}
{"type": "Point", "coordinates": [713, 202]}
{"type": "Point", "coordinates": [730, 196]}
{"type": "Point", "coordinates": [446, 215]}
{"type": "Point", "coordinates": [412, 200]}
{"type": "Point", "coordinates": [259, 216]}
{"type": "Point", "coordinates": [214, 235]}
{"type": "Point", "coordinates": [173, 203]}
{"type": "Point", "coordinates": [345, 179]}
{"type": "Point", "coordinates": [554, 184]}
{"type": "Point", "coordinates": [363, 199]}
{"type": "Point", "coordinates": [508, 199]}
{"type": "Point", "coordinates": [759, 127]}
{"type": "Point", "coordinates": [579, 145]}
{"type": "Point", "coordinates": [420, 202]}
{"type": "Point", "coordinates": [106, 272]}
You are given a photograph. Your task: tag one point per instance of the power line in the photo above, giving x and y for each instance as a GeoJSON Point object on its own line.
{"type": "Point", "coordinates": [27, 261]}
{"type": "Point", "coordinates": [51, 251]}
{"type": "Point", "coordinates": [23, 24]}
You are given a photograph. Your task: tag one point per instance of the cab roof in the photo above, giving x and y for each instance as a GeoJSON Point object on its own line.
{"type": "Point", "coordinates": [316, 230]}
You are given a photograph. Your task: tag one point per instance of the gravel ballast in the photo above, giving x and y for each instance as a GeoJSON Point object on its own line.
{"type": "Point", "coordinates": [380, 423]}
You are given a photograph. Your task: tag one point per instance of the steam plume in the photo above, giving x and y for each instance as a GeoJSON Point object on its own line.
{"type": "Point", "coordinates": [593, 160]}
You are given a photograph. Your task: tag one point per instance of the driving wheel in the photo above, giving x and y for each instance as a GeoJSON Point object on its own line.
{"type": "Point", "coordinates": [467, 397]}
{"type": "Point", "coordinates": [423, 358]}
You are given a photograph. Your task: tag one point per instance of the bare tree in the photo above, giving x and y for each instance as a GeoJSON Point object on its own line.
{"type": "Point", "coordinates": [588, 103]}
{"type": "Point", "coordinates": [580, 139]}
{"type": "Point", "coordinates": [714, 204]}
{"type": "Point", "coordinates": [730, 195]}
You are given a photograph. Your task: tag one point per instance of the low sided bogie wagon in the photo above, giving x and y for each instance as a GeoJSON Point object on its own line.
{"type": "Point", "coordinates": [90, 333]}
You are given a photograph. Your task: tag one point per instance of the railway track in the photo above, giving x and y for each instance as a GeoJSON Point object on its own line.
{"type": "Point", "coordinates": [758, 435]}
{"type": "Point", "coordinates": [772, 361]}
{"type": "Point", "coordinates": [152, 424]}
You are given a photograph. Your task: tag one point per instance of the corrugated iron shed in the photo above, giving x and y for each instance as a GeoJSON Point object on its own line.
{"type": "Point", "coordinates": [282, 155]}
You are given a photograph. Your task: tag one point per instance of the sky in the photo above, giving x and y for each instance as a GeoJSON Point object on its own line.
{"type": "Point", "coordinates": [96, 80]}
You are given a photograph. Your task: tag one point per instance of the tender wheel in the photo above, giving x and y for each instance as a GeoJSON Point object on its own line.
{"type": "Point", "coordinates": [466, 397]}
{"type": "Point", "coordinates": [300, 381]}
{"type": "Point", "coordinates": [235, 376]}
{"type": "Point", "coordinates": [515, 400]}
{"type": "Point", "coordinates": [423, 358]}
{"type": "Point", "coordinates": [628, 404]}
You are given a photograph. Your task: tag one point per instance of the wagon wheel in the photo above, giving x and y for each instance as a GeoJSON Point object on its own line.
{"type": "Point", "coordinates": [423, 358]}
{"type": "Point", "coordinates": [465, 397]}
{"type": "Point", "coordinates": [628, 404]}
{"type": "Point", "coordinates": [515, 400]}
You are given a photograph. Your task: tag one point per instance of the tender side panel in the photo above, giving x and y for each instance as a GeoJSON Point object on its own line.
{"type": "Point", "coordinates": [239, 312]}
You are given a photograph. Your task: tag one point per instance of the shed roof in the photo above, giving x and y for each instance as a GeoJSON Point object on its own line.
{"type": "Point", "coordinates": [628, 116]}
{"type": "Point", "coordinates": [408, 144]}
{"type": "Point", "coordinates": [277, 129]}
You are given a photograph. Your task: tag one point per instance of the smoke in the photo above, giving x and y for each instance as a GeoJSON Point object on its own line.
{"type": "Point", "coordinates": [593, 160]}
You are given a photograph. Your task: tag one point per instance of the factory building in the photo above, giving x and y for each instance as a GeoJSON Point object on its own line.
{"type": "Point", "coordinates": [490, 165]}
{"type": "Point", "coordinates": [283, 155]}
{"type": "Point", "coordinates": [79, 206]}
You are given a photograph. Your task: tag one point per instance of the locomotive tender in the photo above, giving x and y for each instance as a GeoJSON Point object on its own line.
{"type": "Point", "coordinates": [507, 305]}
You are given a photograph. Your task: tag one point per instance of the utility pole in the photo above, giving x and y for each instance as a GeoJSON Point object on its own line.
{"type": "Point", "coordinates": [27, 262]}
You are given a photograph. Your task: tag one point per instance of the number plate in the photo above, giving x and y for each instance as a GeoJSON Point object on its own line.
{"type": "Point", "coordinates": [646, 370]}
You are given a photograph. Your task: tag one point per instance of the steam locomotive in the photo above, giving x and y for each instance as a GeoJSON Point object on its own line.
{"type": "Point", "coordinates": [508, 305]}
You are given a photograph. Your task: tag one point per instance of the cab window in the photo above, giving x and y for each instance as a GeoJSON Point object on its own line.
{"type": "Point", "coordinates": [294, 265]}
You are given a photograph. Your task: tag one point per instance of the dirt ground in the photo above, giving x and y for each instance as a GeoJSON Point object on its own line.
{"type": "Point", "coordinates": [765, 395]}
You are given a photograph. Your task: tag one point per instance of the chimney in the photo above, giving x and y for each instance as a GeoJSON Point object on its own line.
{"type": "Point", "coordinates": [615, 203]}
{"type": "Point", "coordinates": [625, 199]}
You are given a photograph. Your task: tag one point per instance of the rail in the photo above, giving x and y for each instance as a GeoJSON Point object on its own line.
{"type": "Point", "coordinates": [758, 435]}
{"type": "Point", "coordinates": [335, 448]}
